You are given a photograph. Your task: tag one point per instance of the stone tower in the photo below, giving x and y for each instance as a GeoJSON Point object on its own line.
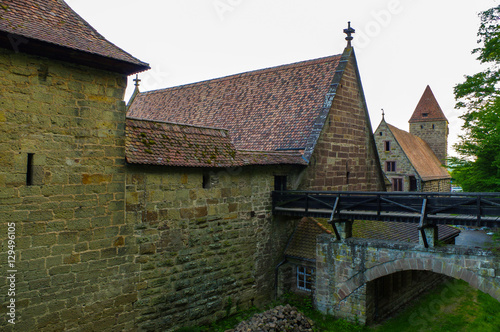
{"type": "Point", "coordinates": [430, 124]}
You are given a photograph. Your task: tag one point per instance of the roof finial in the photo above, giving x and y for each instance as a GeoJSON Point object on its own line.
{"type": "Point", "coordinates": [136, 80]}
{"type": "Point", "coordinates": [383, 113]}
{"type": "Point", "coordinates": [348, 32]}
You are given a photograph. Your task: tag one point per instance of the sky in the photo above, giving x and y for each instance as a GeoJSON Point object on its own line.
{"type": "Point", "coordinates": [401, 46]}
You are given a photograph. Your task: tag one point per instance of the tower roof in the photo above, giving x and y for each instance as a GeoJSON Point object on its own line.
{"type": "Point", "coordinates": [428, 108]}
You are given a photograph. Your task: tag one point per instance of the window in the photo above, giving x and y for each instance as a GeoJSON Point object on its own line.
{"type": "Point", "coordinates": [413, 183]}
{"type": "Point", "coordinates": [390, 166]}
{"type": "Point", "coordinates": [29, 170]}
{"type": "Point", "coordinates": [387, 146]}
{"type": "Point", "coordinates": [424, 115]}
{"type": "Point", "coordinates": [381, 133]}
{"type": "Point", "coordinates": [433, 127]}
{"type": "Point", "coordinates": [304, 278]}
{"type": "Point", "coordinates": [207, 183]}
{"type": "Point", "coordinates": [397, 184]}
{"type": "Point", "coordinates": [280, 182]}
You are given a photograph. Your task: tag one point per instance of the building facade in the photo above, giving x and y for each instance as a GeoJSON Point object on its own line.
{"type": "Point", "coordinates": [415, 160]}
{"type": "Point", "coordinates": [153, 222]}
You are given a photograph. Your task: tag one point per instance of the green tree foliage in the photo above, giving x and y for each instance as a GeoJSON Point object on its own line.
{"type": "Point", "coordinates": [478, 168]}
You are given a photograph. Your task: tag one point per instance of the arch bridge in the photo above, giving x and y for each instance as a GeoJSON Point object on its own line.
{"type": "Point", "coordinates": [364, 279]}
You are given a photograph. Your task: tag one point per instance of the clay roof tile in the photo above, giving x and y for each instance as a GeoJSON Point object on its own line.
{"type": "Point", "coordinates": [268, 109]}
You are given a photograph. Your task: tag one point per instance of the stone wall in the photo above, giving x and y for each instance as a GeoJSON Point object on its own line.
{"type": "Point", "coordinates": [74, 249]}
{"type": "Point", "coordinates": [435, 133]}
{"type": "Point", "coordinates": [437, 186]}
{"type": "Point", "coordinates": [203, 252]}
{"type": "Point", "coordinates": [345, 269]}
{"type": "Point", "coordinates": [345, 157]}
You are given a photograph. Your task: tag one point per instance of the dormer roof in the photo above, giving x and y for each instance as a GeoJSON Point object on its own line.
{"type": "Point", "coordinates": [428, 109]}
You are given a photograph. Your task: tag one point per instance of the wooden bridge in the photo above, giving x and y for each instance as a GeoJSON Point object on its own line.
{"type": "Point", "coordinates": [427, 209]}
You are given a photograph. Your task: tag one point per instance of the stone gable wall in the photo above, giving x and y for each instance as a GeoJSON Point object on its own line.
{"type": "Point", "coordinates": [203, 252]}
{"type": "Point", "coordinates": [344, 157]}
{"type": "Point", "coordinates": [74, 248]}
{"type": "Point", "coordinates": [404, 168]}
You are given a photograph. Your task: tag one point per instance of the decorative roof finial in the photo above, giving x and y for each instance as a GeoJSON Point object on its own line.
{"type": "Point", "coordinates": [348, 32]}
{"type": "Point", "coordinates": [383, 113]}
{"type": "Point", "coordinates": [136, 80]}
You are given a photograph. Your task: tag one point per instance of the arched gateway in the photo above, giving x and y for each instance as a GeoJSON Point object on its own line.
{"type": "Point", "coordinates": [351, 273]}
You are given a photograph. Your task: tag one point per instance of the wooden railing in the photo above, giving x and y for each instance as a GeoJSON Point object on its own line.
{"type": "Point", "coordinates": [472, 209]}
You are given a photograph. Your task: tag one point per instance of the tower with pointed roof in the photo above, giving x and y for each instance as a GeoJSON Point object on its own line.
{"type": "Point", "coordinates": [430, 124]}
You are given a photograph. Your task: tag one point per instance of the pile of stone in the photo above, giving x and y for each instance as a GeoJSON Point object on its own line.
{"type": "Point", "coordinates": [280, 318]}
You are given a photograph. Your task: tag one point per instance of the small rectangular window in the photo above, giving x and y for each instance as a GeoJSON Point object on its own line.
{"type": "Point", "coordinates": [413, 183]}
{"type": "Point", "coordinates": [387, 146]}
{"type": "Point", "coordinates": [280, 182]}
{"type": "Point", "coordinates": [29, 169]}
{"type": "Point", "coordinates": [390, 166]}
{"type": "Point", "coordinates": [305, 278]}
{"type": "Point", "coordinates": [207, 183]}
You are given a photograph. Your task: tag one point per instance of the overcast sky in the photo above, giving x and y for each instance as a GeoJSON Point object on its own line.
{"type": "Point", "coordinates": [401, 45]}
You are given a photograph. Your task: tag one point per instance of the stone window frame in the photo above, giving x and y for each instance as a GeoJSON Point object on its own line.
{"type": "Point", "coordinates": [390, 166]}
{"type": "Point", "coordinates": [305, 277]}
{"type": "Point", "coordinates": [397, 184]}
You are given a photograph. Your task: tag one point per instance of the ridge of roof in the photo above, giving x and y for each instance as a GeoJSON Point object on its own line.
{"type": "Point", "coordinates": [54, 24]}
{"type": "Point", "coordinates": [428, 108]}
{"type": "Point", "coordinates": [420, 154]}
{"type": "Point", "coordinates": [175, 123]}
{"type": "Point", "coordinates": [302, 63]}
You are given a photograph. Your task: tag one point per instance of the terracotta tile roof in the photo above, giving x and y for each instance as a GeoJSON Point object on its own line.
{"type": "Point", "coordinates": [428, 109]}
{"type": "Point", "coordinates": [302, 244]}
{"type": "Point", "coordinates": [268, 109]}
{"type": "Point", "coordinates": [420, 155]}
{"type": "Point", "coordinates": [161, 143]}
{"type": "Point", "coordinates": [397, 231]}
{"type": "Point", "coordinates": [54, 22]}
{"type": "Point", "coordinates": [303, 241]}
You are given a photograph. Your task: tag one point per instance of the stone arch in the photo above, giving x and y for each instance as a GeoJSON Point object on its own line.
{"type": "Point", "coordinates": [488, 285]}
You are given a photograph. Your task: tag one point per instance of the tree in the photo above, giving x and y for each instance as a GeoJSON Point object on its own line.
{"type": "Point", "coordinates": [478, 169]}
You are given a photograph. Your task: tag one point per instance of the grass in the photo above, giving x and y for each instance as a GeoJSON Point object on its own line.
{"type": "Point", "coordinates": [451, 307]}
